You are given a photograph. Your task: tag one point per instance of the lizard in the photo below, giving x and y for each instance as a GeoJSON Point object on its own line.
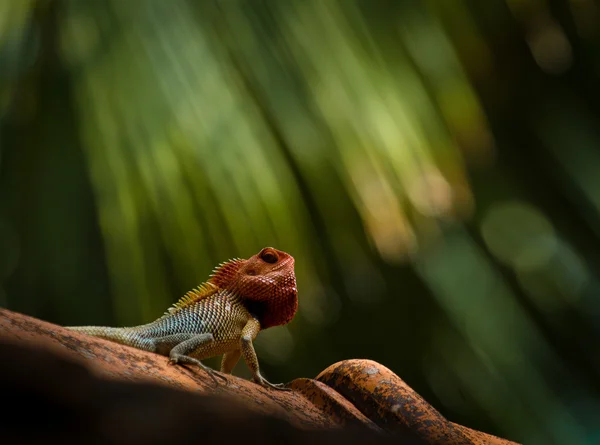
{"type": "Point", "coordinates": [222, 316]}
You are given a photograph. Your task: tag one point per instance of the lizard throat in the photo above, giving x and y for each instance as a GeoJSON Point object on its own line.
{"type": "Point", "coordinates": [273, 312]}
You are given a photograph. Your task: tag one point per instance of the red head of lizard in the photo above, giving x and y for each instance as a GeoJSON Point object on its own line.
{"type": "Point", "coordinates": [266, 283]}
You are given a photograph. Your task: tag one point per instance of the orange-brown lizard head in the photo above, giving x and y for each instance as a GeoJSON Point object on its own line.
{"type": "Point", "coordinates": [266, 283]}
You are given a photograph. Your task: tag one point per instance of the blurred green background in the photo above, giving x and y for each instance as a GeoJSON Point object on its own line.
{"type": "Point", "coordinates": [433, 166]}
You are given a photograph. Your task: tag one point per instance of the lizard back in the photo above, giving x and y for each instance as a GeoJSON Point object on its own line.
{"type": "Point", "coordinates": [222, 314]}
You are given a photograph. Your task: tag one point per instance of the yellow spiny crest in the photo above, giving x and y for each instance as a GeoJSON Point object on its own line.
{"type": "Point", "coordinates": [199, 293]}
{"type": "Point", "coordinates": [221, 266]}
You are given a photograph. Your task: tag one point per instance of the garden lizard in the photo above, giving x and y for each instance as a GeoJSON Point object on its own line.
{"type": "Point", "coordinates": [221, 316]}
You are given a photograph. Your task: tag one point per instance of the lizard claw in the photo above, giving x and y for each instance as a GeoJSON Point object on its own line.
{"type": "Point", "coordinates": [192, 361]}
{"type": "Point", "coordinates": [278, 386]}
{"type": "Point", "coordinates": [214, 374]}
{"type": "Point", "coordinates": [259, 379]}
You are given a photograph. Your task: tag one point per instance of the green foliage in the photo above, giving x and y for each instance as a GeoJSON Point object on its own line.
{"type": "Point", "coordinates": [432, 166]}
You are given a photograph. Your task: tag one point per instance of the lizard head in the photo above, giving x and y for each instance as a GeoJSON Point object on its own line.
{"type": "Point", "coordinates": [266, 282]}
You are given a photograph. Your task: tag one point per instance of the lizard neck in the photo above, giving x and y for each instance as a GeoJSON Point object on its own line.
{"type": "Point", "coordinates": [274, 312]}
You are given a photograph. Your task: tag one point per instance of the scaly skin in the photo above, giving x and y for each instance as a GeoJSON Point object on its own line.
{"type": "Point", "coordinates": [222, 316]}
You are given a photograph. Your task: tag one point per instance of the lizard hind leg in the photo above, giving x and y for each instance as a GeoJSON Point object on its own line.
{"type": "Point", "coordinates": [230, 359]}
{"type": "Point", "coordinates": [180, 353]}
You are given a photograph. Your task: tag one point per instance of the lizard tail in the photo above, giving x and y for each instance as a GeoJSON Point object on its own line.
{"type": "Point", "coordinates": [98, 331]}
{"type": "Point", "coordinates": [124, 336]}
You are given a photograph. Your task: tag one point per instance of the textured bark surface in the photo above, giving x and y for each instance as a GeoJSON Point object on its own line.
{"type": "Point", "coordinates": [389, 402]}
{"type": "Point", "coordinates": [119, 394]}
{"type": "Point", "coordinates": [114, 361]}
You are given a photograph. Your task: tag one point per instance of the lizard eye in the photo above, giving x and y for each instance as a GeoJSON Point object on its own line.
{"type": "Point", "coordinates": [269, 256]}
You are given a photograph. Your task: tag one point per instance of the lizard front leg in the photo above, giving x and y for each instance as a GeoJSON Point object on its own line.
{"type": "Point", "coordinates": [186, 344]}
{"type": "Point", "coordinates": [249, 333]}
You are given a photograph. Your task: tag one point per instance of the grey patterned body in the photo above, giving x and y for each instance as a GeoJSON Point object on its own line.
{"type": "Point", "coordinates": [222, 314]}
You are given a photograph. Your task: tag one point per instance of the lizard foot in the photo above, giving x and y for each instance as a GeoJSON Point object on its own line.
{"type": "Point", "coordinates": [193, 361]}
{"type": "Point", "coordinates": [278, 386]}
{"type": "Point", "coordinates": [259, 379]}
